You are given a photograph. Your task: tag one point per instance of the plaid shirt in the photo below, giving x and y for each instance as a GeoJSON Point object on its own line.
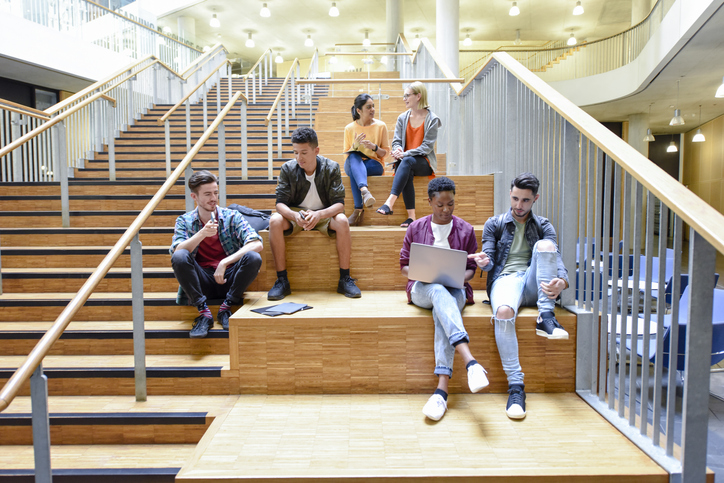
{"type": "Point", "coordinates": [234, 230]}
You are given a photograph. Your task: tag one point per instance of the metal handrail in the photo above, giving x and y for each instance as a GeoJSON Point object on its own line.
{"type": "Point", "coordinates": [261, 57]}
{"type": "Point", "coordinates": [267, 119]}
{"type": "Point", "coordinates": [22, 374]}
{"type": "Point", "coordinates": [311, 64]}
{"type": "Point", "coordinates": [191, 92]}
{"type": "Point", "coordinates": [201, 59]}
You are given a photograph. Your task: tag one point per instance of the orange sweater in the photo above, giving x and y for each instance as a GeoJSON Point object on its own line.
{"type": "Point", "coordinates": [375, 132]}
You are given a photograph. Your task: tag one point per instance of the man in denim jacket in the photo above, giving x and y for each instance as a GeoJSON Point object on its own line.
{"type": "Point", "coordinates": [520, 254]}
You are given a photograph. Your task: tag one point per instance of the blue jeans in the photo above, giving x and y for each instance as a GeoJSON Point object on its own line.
{"type": "Point", "coordinates": [447, 305]}
{"type": "Point", "coordinates": [515, 290]}
{"type": "Point", "coordinates": [358, 169]}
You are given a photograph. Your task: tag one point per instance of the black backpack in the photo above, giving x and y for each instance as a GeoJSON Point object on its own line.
{"type": "Point", "coordinates": [258, 220]}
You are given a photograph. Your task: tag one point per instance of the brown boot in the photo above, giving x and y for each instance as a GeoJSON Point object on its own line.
{"type": "Point", "coordinates": [355, 219]}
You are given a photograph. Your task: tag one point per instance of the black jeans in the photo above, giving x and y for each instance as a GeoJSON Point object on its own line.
{"type": "Point", "coordinates": [410, 166]}
{"type": "Point", "coordinates": [199, 283]}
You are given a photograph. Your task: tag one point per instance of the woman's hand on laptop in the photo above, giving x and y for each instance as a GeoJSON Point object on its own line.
{"type": "Point", "coordinates": [481, 259]}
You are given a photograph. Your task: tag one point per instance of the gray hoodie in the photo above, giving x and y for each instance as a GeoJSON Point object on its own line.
{"type": "Point", "coordinates": [427, 148]}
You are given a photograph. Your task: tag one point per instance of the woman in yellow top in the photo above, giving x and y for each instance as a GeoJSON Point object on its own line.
{"type": "Point", "coordinates": [367, 143]}
{"type": "Point", "coordinates": [414, 147]}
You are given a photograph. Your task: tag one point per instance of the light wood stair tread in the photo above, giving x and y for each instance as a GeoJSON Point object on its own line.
{"type": "Point", "coordinates": [123, 361]}
{"type": "Point", "coordinates": [213, 405]}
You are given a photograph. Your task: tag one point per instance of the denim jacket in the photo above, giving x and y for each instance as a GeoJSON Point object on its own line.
{"type": "Point", "coordinates": [498, 239]}
{"type": "Point", "coordinates": [293, 186]}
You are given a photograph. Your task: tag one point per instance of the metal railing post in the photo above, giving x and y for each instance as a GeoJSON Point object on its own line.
{"type": "Point", "coordinates": [1, 272]}
{"type": "Point", "coordinates": [222, 164]}
{"type": "Point", "coordinates": [569, 204]}
{"type": "Point", "coordinates": [188, 172]}
{"type": "Point", "coordinates": [60, 154]}
{"type": "Point", "coordinates": [97, 129]}
{"type": "Point", "coordinates": [155, 86]}
{"type": "Point", "coordinates": [167, 133]}
{"type": "Point", "coordinates": [111, 141]}
{"type": "Point", "coordinates": [204, 102]}
{"type": "Point", "coordinates": [294, 102]}
{"type": "Point", "coordinates": [130, 101]}
{"type": "Point", "coordinates": [286, 110]}
{"type": "Point", "coordinates": [15, 121]}
{"type": "Point", "coordinates": [279, 130]}
{"type": "Point", "coordinates": [244, 143]}
{"type": "Point", "coordinates": [139, 332]}
{"type": "Point", "coordinates": [253, 88]}
{"type": "Point", "coordinates": [41, 425]}
{"type": "Point", "coordinates": [270, 149]}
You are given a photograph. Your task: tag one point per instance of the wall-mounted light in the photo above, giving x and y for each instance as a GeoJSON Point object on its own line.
{"type": "Point", "coordinates": [250, 42]}
{"type": "Point", "coordinates": [699, 136]}
{"type": "Point", "coordinates": [578, 9]}
{"type": "Point", "coordinates": [214, 22]}
{"type": "Point", "coordinates": [572, 40]}
{"type": "Point", "coordinates": [514, 10]}
{"type": "Point", "coordinates": [334, 11]}
{"type": "Point", "coordinates": [265, 12]}
{"type": "Point", "coordinates": [677, 120]}
{"type": "Point", "coordinates": [309, 42]}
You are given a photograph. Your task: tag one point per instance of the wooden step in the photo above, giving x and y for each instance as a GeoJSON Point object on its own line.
{"type": "Point", "coordinates": [89, 375]}
{"type": "Point", "coordinates": [380, 344]}
{"type": "Point", "coordinates": [386, 438]}
{"type": "Point", "coordinates": [112, 338]}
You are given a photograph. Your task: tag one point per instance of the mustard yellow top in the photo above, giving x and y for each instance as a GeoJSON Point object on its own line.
{"type": "Point", "coordinates": [375, 132]}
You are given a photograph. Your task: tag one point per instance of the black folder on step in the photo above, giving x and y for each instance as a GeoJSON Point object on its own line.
{"type": "Point", "coordinates": [281, 309]}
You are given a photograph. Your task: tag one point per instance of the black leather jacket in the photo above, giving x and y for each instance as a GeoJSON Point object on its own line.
{"type": "Point", "coordinates": [293, 186]}
{"type": "Point", "coordinates": [498, 235]}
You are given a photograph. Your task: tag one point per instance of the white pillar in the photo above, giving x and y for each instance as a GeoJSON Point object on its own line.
{"type": "Point", "coordinates": [395, 26]}
{"type": "Point", "coordinates": [637, 126]}
{"type": "Point", "coordinates": [447, 28]}
{"type": "Point", "coordinates": [187, 28]}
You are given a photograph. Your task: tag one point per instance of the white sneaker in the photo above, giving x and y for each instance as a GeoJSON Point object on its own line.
{"type": "Point", "coordinates": [435, 407]}
{"type": "Point", "coordinates": [477, 378]}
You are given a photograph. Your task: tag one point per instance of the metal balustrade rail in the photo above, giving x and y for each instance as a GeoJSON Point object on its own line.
{"type": "Point", "coordinates": [597, 189]}
{"type": "Point", "coordinates": [290, 101]}
{"type": "Point", "coordinates": [31, 369]}
{"type": "Point", "coordinates": [105, 28]}
{"type": "Point", "coordinates": [563, 62]}
{"type": "Point", "coordinates": [259, 74]}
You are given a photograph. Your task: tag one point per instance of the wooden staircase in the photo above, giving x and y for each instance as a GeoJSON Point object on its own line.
{"type": "Point", "coordinates": [331, 393]}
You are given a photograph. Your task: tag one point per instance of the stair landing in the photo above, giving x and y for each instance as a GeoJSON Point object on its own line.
{"type": "Point", "coordinates": [386, 437]}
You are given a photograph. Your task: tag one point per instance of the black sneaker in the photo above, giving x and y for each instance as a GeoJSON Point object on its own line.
{"type": "Point", "coordinates": [223, 318]}
{"type": "Point", "coordinates": [516, 401]}
{"type": "Point", "coordinates": [549, 327]}
{"type": "Point", "coordinates": [347, 287]}
{"type": "Point", "coordinates": [280, 289]}
{"type": "Point", "coordinates": [201, 327]}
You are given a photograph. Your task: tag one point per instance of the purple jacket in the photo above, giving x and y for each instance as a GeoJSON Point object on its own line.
{"type": "Point", "coordinates": [462, 237]}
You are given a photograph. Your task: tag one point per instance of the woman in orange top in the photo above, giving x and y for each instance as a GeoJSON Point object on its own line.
{"type": "Point", "coordinates": [414, 147]}
{"type": "Point", "coordinates": [367, 143]}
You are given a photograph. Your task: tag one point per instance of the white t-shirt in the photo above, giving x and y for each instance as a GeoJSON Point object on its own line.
{"type": "Point", "coordinates": [441, 233]}
{"type": "Point", "coordinates": [312, 201]}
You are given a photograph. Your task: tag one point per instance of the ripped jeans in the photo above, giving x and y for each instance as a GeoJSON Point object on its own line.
{"type": "Point", "coordinates": [515, 290]}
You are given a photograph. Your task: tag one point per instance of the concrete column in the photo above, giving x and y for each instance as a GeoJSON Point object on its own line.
{"type": "Point", "coordinates": [447, 32]}
{"type": "Point", "coordinates": [639, 10]}
{"type": "Point", "coordinates": [395, 26]}
{"type": "Point", "coordinates": [637, 125]}
{"type": "Point", "coordinates": [187, 28]}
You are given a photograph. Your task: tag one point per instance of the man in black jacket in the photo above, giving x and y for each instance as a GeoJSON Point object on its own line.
{"type": "Point", "coordinates": [310, 196]}
{"type": "Point", "coordinates": [520, 254]}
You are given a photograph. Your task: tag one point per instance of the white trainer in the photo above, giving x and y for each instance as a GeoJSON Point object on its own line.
{"type": "Point", "coordinates": [477, 379]}
{"type": "Point", "coordinates": [435, 407]}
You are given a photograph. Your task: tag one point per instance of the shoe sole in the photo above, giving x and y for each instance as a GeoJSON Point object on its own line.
{"type": "Point", "coordinates": [545, 334]}
{"type": "Point", "coordinates": [516, 417]}
{"type": "Point", "coordinates": [370, 202]}
{"type": "Point", "coordinates": [352, 296]}
{"type": "Point", "coordinates": [431, 418]}
{"type": "Point", "coordinates": [279, 297]}
{"type": "Point", "coordinates": [191, 336]}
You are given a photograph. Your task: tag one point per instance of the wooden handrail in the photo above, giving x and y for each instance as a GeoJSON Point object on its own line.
{"type": "Point", "coordinates": [163, 118]}
{"type": "Point", "coordinates": [371, 53]}
{"type": "Point", "coordinates": [281, 91]}
{"type": "Point", "coordinates": [257, 63]}
{"type": "Point", "coordinates": [41, 349]}
{"type": "Point", "coordinates": [206, 55]}
{"type": "Point", "coordinates": [405, 44]}
{"type": "Point", "coordinates": [25, 110]}
{"type": "Point", "coordinates": [372, 80]}
{"type": "Point", "coordinates": [693, 210]}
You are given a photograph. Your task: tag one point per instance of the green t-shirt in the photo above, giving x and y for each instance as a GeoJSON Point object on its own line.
{"type": "Point", "coordinates": [520, 252]}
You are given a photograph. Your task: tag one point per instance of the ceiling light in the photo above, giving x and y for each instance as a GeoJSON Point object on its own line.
{"type": "Point", "coordinates": [649, 138]}
{"type": "Point", "coordinates": [672, 148]}
{"type": "Point", "coordinates": [720, 90]}
{"type": "Point", "coordinates": [332, 59]}
{"type": "Point", "coordinates": [467, 42]}
{"type": "Point", "coordinates": [514, 10]}
{"type": "Point", "coordinates": [699, 136]}
{"type": "Point", "coordinates": [366, 41]}
{"type": "Point", "coordinates": [265, 12]}
{"type": "Point", "coordinates": [383, 59]}
{"type": "Point", "coordinates": [578, 9]}
{"type": "Point", "coordinates": [572, 40]}
{"type": "Point", "coordinates": [279, 59]}
{"type": "Point", "coordinates": [214, 22]}
{"type": "Point", "coordinates": [250, 42]}
{"type": "Point", "coordinates": [367, 61]}
{"type": "Point", "coordinates": [677, 120]}
{"type": "Point", "coordinates": [309, 42]}
{"type": "Point", "coordinates": [416, 42]}
{"type": "Point", "coordinates": [167, 30]}
{"type": "Point", "coordinates": [334, 11]}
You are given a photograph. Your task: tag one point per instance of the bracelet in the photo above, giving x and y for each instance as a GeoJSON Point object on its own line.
{"type": "Point", "coordinates": [376, 148]}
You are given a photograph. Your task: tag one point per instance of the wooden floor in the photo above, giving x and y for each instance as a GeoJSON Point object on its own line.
{"type": "Point", "coordinates": [386, 437]}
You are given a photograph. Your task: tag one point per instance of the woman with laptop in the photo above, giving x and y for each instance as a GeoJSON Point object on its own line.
{"type": "Point", "coordinates": [445, 232]}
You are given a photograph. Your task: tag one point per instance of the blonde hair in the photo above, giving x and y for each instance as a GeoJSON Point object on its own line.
{"type": "Point", "coordinates": [418, 87]}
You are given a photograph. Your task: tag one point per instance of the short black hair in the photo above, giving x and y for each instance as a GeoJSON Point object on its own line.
{"type": "Point", "coordinates": [359, 103]}
{"type": "Point", "coordinates": [440, 184]}
{"type": "Point", "coordinates": [305, 135]}
{"type": "Point", "coordinates": [526, 181]}
{"type": "Point", "coordinates": [201, 177]}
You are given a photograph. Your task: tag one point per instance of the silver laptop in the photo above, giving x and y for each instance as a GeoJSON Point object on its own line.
{"type": "Point", "coordinates": [432, 264]}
